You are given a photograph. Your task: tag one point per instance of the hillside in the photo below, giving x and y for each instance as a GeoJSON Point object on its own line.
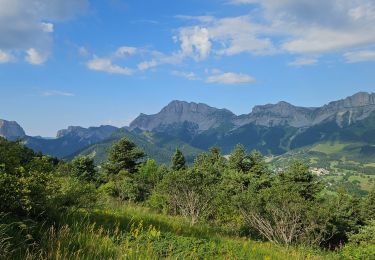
{"type": "Point", "coordinates": [273, 129]}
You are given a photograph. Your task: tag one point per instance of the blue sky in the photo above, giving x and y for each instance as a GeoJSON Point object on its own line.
{"type": "Point", "coordinates": [88, 63]}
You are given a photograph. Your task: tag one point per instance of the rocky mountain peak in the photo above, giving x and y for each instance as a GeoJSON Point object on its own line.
{"type": "Point", "coordinates": [360, 99]}
{"type": "Point", "coordinates": [281, 107]}
{"type": "Point", "coordinates": [11, 130]}
{"type": "Point", "coordinates": [98, 133]}
{"type": "Point", "coordinates": [178, 112]}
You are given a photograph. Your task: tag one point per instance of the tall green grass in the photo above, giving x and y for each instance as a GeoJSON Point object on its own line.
{"type": "Point", "coordinates": [132, 232]}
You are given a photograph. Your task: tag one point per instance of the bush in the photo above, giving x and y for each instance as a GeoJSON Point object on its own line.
{"type": "Point", "coordinates": [71, 193]}
{"type": "Point", "coordinates": [361, 245]}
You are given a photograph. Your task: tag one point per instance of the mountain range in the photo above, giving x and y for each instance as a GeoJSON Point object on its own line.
{"type": "Point", "coordinates": [274, 129]}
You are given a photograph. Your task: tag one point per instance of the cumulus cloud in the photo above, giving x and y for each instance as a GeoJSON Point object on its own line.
{"type": "Point", "coordinates": [234, 35]}
{"type": "Point", "coordinates": [319, 26]}
{"type": "Point", "coordinates": [195, 42]}
{"type": "Point", "coordinates": [24, 26]}
{"type": "Point", "coordinates": [230, 78]}
{"type": "Point", "coordinates": [360, 56]}
{"type": "Point", "coordinates": [35, 57]}
{"type": "Point", "coordinates": [5, 57]}
{"type": "Point", "coordinates": [301, 27]}
{"type": "Point", "coordinates": [106, 65]}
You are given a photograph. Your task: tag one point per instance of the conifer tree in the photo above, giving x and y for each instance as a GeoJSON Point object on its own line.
{"type": "Point", "coordinates": [178, 161]}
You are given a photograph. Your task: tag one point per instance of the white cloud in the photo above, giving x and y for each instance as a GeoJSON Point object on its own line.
{"type": "Point", "coordinates": [185, 74]}
{"type": "Point", "coordinates": [195, 42]}
{"type": "Point", "coordinates": [47, 27]}
{"type": "Point", "coordinates": [230, 78]}
{"type": "Point", "coordinates": [23, 25]}
{"type": "Point", "coordinates": [50, 93]}
{"type": "Point", "coordinates": [145, 65]}
{"type": "Point", "coordinates": [302, 27]}
{"type": "Point", "coordinates": [125, 51]}
{"type": "Point", "coordinates": [5, 57]}
{"type": "Point", "coordinates": [35, 57]}
{"type": "Point", "coordinates": [360, 56]}
{"type": "Point", "coordinates": [303, 62]}
{"type": "Point", "coordinates": [320, 26]}
{"type": "Point", "coordinates": [106, 65]}
{"type": "Point", "coordinates": [234, 35]}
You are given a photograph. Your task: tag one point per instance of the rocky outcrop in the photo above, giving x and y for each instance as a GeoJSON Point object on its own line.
{"type": "Point", "coordinates": [11, 130]}
{"type": "Point", "coordinates": [278, 114]}
{"type": "Point", "coordinates": [178, 112]}
{"type": "Point", "coordinates": [345, 111]}
{"type": "Point", "coordinates": [348, 110]}
{"type": "Point", "coordinates": [93, 133]}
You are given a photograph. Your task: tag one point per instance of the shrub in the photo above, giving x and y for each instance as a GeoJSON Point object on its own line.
{"type": "Point", "coordinates": [361, 245]}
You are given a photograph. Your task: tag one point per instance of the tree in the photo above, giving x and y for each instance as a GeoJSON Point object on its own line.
{"type": "Point", "coordinates": [178, 161]}
{"type": "Point", "coordinates": [189, 193]}
{"type": "Point", "coordinates": [83, 167]}
{"type": "Point", "coordinates": [148, 176]}
{"type": "Point", "coordinates": [124, 155]}
{"type": "Point", "coordinates": [299, 178]}
{"type": "Point", "coordinates": [368, 206]}
{"type": "Point", "coordinates": [362, 244]}
{"type": "Point", "coordinates": [286, 210]}
{"type": "Point", "coordinates": [239, 160]}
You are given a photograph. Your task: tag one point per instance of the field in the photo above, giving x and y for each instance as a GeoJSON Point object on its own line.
{"type": "Point", "coordinates": [124, 231]}
{"type": "Point", "coordinates": [344, 162]}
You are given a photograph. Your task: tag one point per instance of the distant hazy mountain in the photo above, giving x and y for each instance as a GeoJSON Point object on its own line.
{"type": "Point", "coordinates": [11, 130]}
{"type": "Point", "coordinates": [272, 129]}
{"type": "Point", "coordinates": [71, 140]}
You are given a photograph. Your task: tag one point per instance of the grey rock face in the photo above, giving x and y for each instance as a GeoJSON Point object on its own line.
{"type": "Point", "coordinates": [205, 117]}
{"type": "Point", "coordinates": [356, 107]}
{"type": "Point", "coordinates": [11, 130]}
{"type": "Point", "coordinates": [281, 113]}
{"type": "Point", "coordinates": [350, 109]}
{"type": "Point", "coordinates": [94, 133]}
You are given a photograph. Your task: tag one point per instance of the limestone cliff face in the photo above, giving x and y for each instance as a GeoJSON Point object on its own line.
{"type": "Point", "coordinates": [93, 133]}
{"type": "Point", "coordinates": [278, 114]}
{"type": "Point", "coordinates": [11, 130]}
{"type": "Point", "coordinates": [178, 112]}
{"type": "Point", "coordinates": [348, 110]}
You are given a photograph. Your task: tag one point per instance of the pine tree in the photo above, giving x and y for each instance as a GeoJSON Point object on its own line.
{"type": "Point", "coordinates": [178, 161]}
{"type": "Point", "coordinates": [124, 155]}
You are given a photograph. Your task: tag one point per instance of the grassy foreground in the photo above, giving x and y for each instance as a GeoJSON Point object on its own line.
{"type": "Point", "coordinates": [131, 232]}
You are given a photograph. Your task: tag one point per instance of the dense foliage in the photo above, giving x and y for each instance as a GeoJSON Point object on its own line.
{"type": "Point", "coordinates": [236, 195]}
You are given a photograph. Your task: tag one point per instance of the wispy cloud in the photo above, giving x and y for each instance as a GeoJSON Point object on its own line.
{"type": "Point", "coordinates": [360, 56]}
{"type": "Point", "coordinates": [185, 74]}
{"type": "Point", "coordinates": [5, 57]}
{"type": "Point", "coordinates": [106, 64]}
{"type": "Point", "coordinates": [230, 78]}
{"type": "Point", "coordinates": [299, 62]}
{"type": "Point", "coordinates": [51, 93]}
